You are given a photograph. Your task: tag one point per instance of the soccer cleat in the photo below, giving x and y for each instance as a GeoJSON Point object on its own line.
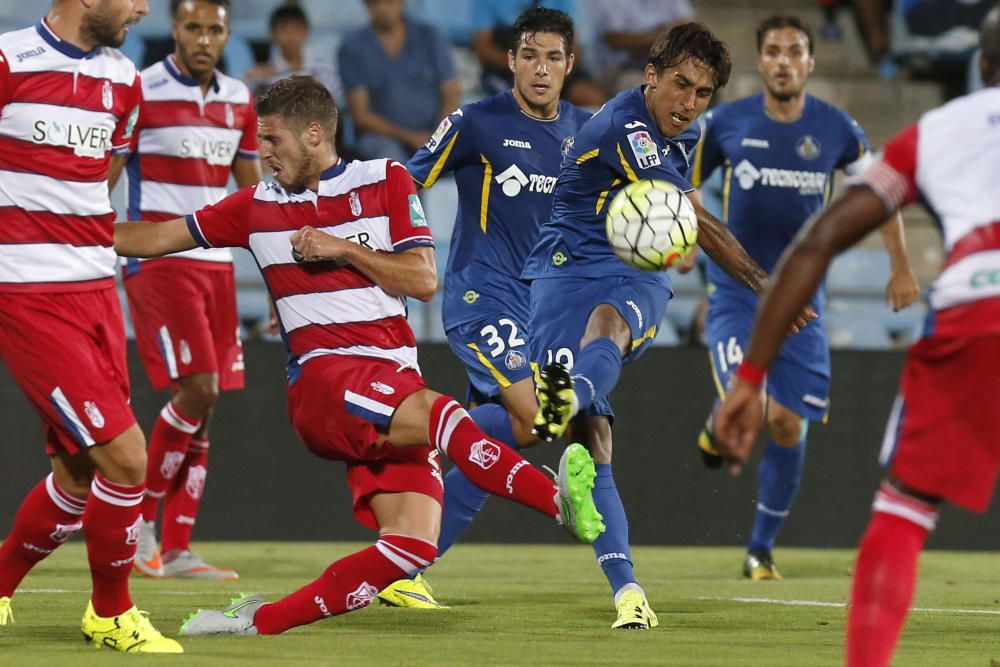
{"type": "Point", "coordinates": [128, 632]}
{"type": "Point", "coordinates": [634, 613]}
{"type": "Point", "coordinates": [557, 402]}
{"type": "Point", "coordinates": [147, 554]}
{"type": "Point", "coordinates": [574, 495]}
{"type": "Point", "coordinates": [706, 446]}
{"type": "Point", "coordinates": [189, 565]}
{"type": "Point", "coordinates": [413, 593]}
{"type": "Point", "coordinates": [6, 612]}
{"type": "Point", "coordinates": [236, 619]}
{"type": "Point", "coordinates": [759, 566]}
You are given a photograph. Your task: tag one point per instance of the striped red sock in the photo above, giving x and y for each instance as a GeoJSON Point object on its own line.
{"type": "Point", "coordinates": [48, 516]}
{"type": "Point", "coordinates": [885, 576]}
{"type": "Point", "coordinates": [167, 449]}
{"type": "Point", "coordinates": [350, 583]}
{"type": "Point", "coordinates": [111, 526]}
{"type": "Point", "coordinates": [183, 498]}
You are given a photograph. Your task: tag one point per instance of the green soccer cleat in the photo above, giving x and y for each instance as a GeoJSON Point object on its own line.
{"type": "Point", "coordinates": [759, 566]}
{"type": "Point", "coordinates": [6, 612]}
{"type": "Point", "coordinates": [413, 593]}
{"type": "Point", "coordinates": [236, 619]}
{"type": "Point", "coordinates": [706, 447]}
{"type": "Point", "coordinates": [634, 613]}
{"type": "Point", "coordinates": [557, 402]}
{"type": "Point", "coordinates": [128, 632]}
{"type": "Point", "coordinates": [574, 495]}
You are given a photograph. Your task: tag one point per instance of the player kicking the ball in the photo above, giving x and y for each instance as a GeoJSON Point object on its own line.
{"type": "Point", "coordinates": [355, 393]}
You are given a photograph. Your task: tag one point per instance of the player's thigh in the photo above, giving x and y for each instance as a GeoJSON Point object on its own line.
{"type": "Point", "coordinates": [641, 304]}
{"type": "Point", "coordinates": [799, 389]}
{"type": "Point", "coordinates": [380, 484]}
{"type": "Point", "coordinates": [407, 513]}
{"type": "Point", "coordinates": [122, 459]}
{"type": "Point", "coordinates": [494, 351]}
{"type": "Point", "coordinates": [224, 321]}
{"type": "Point", "coordinates": [519, 399]}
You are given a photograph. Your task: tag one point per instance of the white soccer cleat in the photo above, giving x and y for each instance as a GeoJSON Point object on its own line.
{"type": "Point", "coordinates": [236, 619]}
{"type": "Point", "coordinates": [189, 565]}
{"type": "Point", "coordinates": [147, 553]}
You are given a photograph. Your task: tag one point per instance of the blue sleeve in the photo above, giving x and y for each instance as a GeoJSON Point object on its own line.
{"type": "Point", "coordinates": [446, 150]}
{"type": "Point", "coordinates": [856, 144]}
{"type": "Point", "coordinates": [351, 65]}
{"type": "Point", "coordinates": [708, 156]}
{"type": "Point", "coordinates": [441, 56]}
{"type": "Point", "coordinates": [630, 149]}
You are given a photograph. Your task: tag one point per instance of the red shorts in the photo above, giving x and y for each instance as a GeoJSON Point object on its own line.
{"type": "Point", "coordinates": [942, 436]}
{"type": "Point", "coordinates": [67, 353]}
{"type": "Point", "coordinates": [186, 321]}
{"type": "Point", "coordinates": [339, 405]}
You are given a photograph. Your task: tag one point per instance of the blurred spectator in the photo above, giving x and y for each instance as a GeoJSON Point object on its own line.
{"type": "Point", "coordinates": [625, 30]}
{"type": "Point", "coordinates": [399, 79]}
{"type": "Point", "coordinates": [872, 19]}
{"type": "Point", "coordinates": [494, 36]}
{"type": "Point", "coordinates": [289, 35]}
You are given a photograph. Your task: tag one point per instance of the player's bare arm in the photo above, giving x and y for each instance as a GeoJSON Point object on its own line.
{"type": "Point", "coordinates": [152, 239]}
{"type": "Point", "coordinates": [855, 213]}
{"type": "Point", "coordinates": [409, 273]}
{"type": "Point", "coordinates": [115, 170]}
{"type": "Point", "coordinates": [902, 289]}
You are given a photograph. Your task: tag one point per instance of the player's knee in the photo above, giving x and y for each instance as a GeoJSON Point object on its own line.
{"type": "Point", "coordinates": [786, 427]}
{"type": "Point", "coordinates": [123, 459]}
{"type": "Point", "coordinates": [74, 483]}
{"type": "Point", "coordinates": [523, 427]}
{"type": "Point", "coordinates": [198, 394]}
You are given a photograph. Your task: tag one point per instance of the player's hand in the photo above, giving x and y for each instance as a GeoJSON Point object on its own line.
{"type": "Point", "coordinates": [737, 421]}
{"type": "Point", "coordinates": [311, 245]}
{"type": "Point", "coordinates": [805, 317]}
{"type": "Point", "coordinates": [902, 290]}
{"type": "Point", "coordinates": [689, 261]}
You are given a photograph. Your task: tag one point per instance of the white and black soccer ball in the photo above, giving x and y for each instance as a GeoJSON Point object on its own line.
{"type": "Point", "coordinates": [652, 225]}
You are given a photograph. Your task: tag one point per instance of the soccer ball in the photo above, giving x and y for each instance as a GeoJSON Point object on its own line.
{"type": "Point", "coordinates": [652, 225]}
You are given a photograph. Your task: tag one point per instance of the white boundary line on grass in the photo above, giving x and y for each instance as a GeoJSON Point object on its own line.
{"type": "Point", "coordinates": [59, 591]}
{"type": "Point", "coordinates": [820, 603]}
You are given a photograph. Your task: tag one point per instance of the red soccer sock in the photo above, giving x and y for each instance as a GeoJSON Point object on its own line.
{"type": "Point", "coordinates": [183, 498]}
{"type": "Point", "coordinates": [350, 583]}
{"type": "Point", "coordinates": [488, 463]}
{"type": "Point", "coordinates": [48, 517]}
{"type": "Point", "coordinates": [168, 445]}
{"type": "Point", "coordinates": [885, 576]}
{"type": "Point", "coordinates": [111, 526]}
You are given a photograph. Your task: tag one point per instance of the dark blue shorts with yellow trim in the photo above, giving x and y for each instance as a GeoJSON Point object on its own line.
{"type": "Point", "coordinates": [494, 349]}
{"type": "Point", "coordinates": [560, 308]}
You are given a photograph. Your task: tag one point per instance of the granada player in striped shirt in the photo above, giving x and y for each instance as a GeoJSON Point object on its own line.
{"type": "Point", "coordinates": [67, 101]}
{"type": "Point", "coordinates": [354, 388]}
{"type": "Point", "coordinates": [196, 127]}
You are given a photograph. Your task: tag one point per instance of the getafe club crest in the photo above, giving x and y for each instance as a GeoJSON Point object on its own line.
{"type": "Point", "coordinates": [230, 116]}
{"type": "Point", "coordinates": [355, 203]}
{"type": "Point", "coordinates": [807, 147]}
{"type": "Point", "coordinates": [514, 360]}
{"type": "Point", "coordinates": [107, 96]}
{"type": "Point", "coordinates": [567, 145]}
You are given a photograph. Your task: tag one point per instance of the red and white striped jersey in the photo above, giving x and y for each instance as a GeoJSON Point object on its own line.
{"type": "Point", "coordinates": [62, 112]}
{"type": "Point", "coordinates": [326, 308]}
{"type": "Point", "coordinates": [950, 161]}
{"type": "Point", "coordinates": [183, 147]}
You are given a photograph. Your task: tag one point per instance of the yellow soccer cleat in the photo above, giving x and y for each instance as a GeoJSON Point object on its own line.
{"type": "Point", "coordinates": [6, 613]}
{"type": "Point", "coordinates": [759, 566]}
{"type": "Point", "coordinates": [128, 632]}
{"type": "Point", "coordinates": [634, 613]}
{"type": "Point", "coordinates": [557, 402]}
{"type": "Point", "coordinates": [413, 593]}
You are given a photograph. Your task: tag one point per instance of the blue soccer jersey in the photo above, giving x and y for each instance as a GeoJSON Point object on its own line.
{"type": "Point", "coordinates": [619, 145]}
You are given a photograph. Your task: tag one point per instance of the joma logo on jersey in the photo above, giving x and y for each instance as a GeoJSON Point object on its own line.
{"type": "Point", "coordinates": [516, 143]}
{"type": "Point", "coordinates": [216, 153]}
{"type": "Point", "coordinates": [806, 182]}
{"type": "Point", "coordinates": [512, 179]}
{"type": "Point", "coordinates": [24, 55]}
{"type": "Point", "coordinates": [91, 141]}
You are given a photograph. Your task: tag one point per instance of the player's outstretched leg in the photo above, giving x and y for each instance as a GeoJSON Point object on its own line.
{"type": "Point", "coordinates": [778, 481]}
{"type": "Point", "coordinates": [885, 575]}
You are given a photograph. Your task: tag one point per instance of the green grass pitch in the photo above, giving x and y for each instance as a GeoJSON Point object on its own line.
{"type": "Point", "coordinates": [532, 605]}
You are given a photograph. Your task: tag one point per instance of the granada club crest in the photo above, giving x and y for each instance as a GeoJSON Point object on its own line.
{"type": "Point", "coordinates": [362, 596]}
{"type": "Point", "coordinates": [93, 414]}
{"type": "Point", "coordinates": [485, 454]}
{"type": "Point", "coordinates": [107, 96]}
{"type": "Point", "coordinates": [230, 116]}
{"type": "Point", "coordinates": [195, 483]}
{"type": "Point", "coordinates": [355, 201]}
{"type": "Point", "coordinates": [64, 531]}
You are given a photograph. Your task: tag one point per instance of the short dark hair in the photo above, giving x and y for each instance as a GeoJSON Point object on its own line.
{"type": "Point", "coordinates": [300, 100]}
{"type": "Point", "coordinates": [175, 5]}
{"type": "Point", "coordinates": [542, 19]}
{"type": "Point", "coordinates": [692, 40]}
{"type": "Point", "coordinates": [784, 21]}
{"type": "Point", "coordinates": [288, 14]}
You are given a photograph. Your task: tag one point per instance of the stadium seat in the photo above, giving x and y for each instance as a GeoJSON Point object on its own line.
{"type": "Point", "coordinates": [857, 324]}
{"type": "Point", "coordinates": [859, 272]}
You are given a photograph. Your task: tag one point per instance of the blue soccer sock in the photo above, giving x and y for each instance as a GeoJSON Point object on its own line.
{"type": "Point", "coordinates": [778, 480]}
{"type": "Point", "coordinates": [462, 498]}
{"type": "Point", "coordinates": [611, 547]}
{"type": "Point", "coordinates": [596, 371]}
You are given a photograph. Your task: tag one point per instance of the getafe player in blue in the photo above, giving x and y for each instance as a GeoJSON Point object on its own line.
{"type": "Point", "coordinates": [589, 310]}
{"type": "Point", "coordinates": [779, 150]}
{"type": "Point", "coordinates": [505, 153]}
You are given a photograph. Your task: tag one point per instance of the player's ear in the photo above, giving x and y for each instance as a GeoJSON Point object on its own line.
{"type": "Point", "coordinates": [314, 135]}
{"type": "Point", "coordinates": [570, 62]}
{"type": "Point", "coordinates": [510, 60]}
{"type": "Point", "coordinates": [812, 63]}
{"type": "Point", "coordinates": [652, 79]}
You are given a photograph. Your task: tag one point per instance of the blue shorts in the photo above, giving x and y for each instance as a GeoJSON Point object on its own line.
{"type": "Point", "coordinates": [493, 347]}
{"type": "Point", "coordinates": [560, 308]}
{"type": "Point", "coordinates": [799, 378]}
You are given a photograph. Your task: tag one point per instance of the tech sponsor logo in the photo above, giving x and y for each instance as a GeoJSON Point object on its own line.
{"type": "Point", "coordinates": [516, 143]}
{"type": "Point", "coordinates": [485, 454]}
{"type": "Point", "coordinates": [512, 180]}
{"type": "Point", "coordinates": [362, 596]}
{"type": "Point", "coordinates": [216, 153]}
{"type": "Point", "coordinates": [92, 141]}
{"type": "Point", "coordinates": [510, 476]}
{"type": "Point", "coordinates": [808, 183]}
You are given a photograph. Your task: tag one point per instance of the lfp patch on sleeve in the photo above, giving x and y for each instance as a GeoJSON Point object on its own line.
{"type": "Point", "coordinates": [417, 217]}
{"type": "Point", "coordinates": [644, 148]}
{"type": "Point", "coordinates": [435, 140]}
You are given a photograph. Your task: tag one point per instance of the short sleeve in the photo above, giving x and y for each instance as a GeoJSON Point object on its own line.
{"type": "Point", "coordinates": [123, 139]}
{"type": "Point", "coordinates": [446, 150]}
{"type": "Point", "coordinates": [631, 151]}
{"type": "Point", "coordinates": [894, 177]}
{"type": "Point", "coordinates": [225, 224]}
{"type": "Point", "coordinates": [708, 155]}
{"type": "Point", "coordinates": [351, 64]}
{"type": "Point", "coordinates": [5, 88]}
{"type": "Point", "coordinates": [856, 147]}
{"type": "Point", "coordinates": [248, 142]}
{"type": "Point", "coordinates": [408, 226]}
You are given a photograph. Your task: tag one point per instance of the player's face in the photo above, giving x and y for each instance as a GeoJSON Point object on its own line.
{"type": "Point", "coordinates": [385, 13]}
{"type": "Point", "coordinates": [201, 30]}
{"type": "Point", "coordinates": [540, 66]}
{"type": "Point", "coordinates": [106, 23]}
{"type": "Point", "coordinates": [679, 94]}
{"type": "Point", "coordinates": [285, 151]}
{"type": "Point", "coordinates": [785, 62]}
